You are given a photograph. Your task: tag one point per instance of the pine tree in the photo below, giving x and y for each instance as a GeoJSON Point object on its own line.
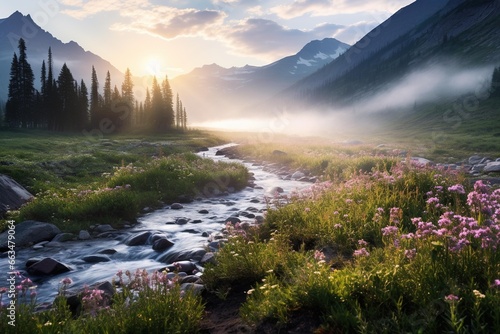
{"type": "Point", "coordinates": [83, 105]}
{"type": "Point", "coordinates": [95, 107]}
{"type": "Point", "coordinates": [12, 118]}
{"type": "Point", "coordinates": [177, 111]}
{"type": "Point", "coordinates": [107, 92]}
{"type": "Point", "coordinates": [128, 97]}
{"type": "Point", "coordinates": [146, 114]}
{"type": "Point", "coordinates": [158, 121]}
{"type": "Point", "coordinates": [26, 85]}
{"type": "Point", "coordinates": [495, 83]}
{"type": "Point", "coordinates": [168, 98]}
{"type": "Point", "coordinates": [67, 119]}
{"type": "Point", "coordinates": [50, 98]}
{"type": "Point", "coordinates": [184, 119]}
{"type": "Point", "coordinates": [115, 96]}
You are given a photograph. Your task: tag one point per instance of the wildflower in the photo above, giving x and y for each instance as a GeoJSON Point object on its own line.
{"type": "Point", "coordinates": [361, 252]}
{"type": "Point", "coordinates": [496, 283]}
{"type": "Point", "coordinates": [395, 215]}
{"type": "Point", "coordinates": [478, 294]}
{"type": "Point", "coordinates": [389, 230]}
{"type": "Point", "coordinates": [66, 281]}
{"type": "Point", "coordinates": [361, 242]}
{"type": "Point", "coordinates": [319, 255]}
{"type": "Point", "coordinates": [451, 298]}
{"type": "Point", "coordinates": [457, 188]}
{"type": "Point", "coordinates": [410, 253]}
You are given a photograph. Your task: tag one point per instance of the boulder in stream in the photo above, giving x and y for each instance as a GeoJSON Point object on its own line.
{"type": "Point", "coordinates": [138, 239]}
{"type": "Point", "coordinates": [162, 244]}
{"type": "Point", "coordinates": [30, 232]}
{"type": "Point", "coordinates": [47, 267]}
{"type": "Point", "coordinates": [96, 258]}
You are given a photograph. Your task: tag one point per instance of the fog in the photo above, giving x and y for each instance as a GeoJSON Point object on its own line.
{"type": "Point", "coordinates": [436, 83]}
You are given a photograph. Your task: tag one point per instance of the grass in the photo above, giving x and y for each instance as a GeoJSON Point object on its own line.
{"type": "Point", "coordinates": [79, 183]}
{"type": "Point", "coordinates": [401, 249]}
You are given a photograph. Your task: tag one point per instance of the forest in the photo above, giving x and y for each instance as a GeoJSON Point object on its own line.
{"type": "Point", "coordinates": [65, 105]}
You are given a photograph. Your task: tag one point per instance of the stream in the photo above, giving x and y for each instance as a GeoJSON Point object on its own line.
{"type": "Point", "coordinates": [198, 220]}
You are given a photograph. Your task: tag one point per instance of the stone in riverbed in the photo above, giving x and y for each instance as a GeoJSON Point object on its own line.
{"type": "Point", "coordinates": [492, 167]}
{"type": "Point", "coordinates": [12, 194]}
{"type": "Point", "coordinates": [194, 288]}
{"type": "Point", "coordinates": [162, 244]}
{"type": "Point", "coordinates": [108, 251]}
{"type": "Point", "coordinates": [62, 237]}
{"type": "Point", "coordinates": [203, 211]}
{"type": "Point", "coordinates": [176, 206]}
{"type": "Point", "coordinates": [30, 232]}
{"type": "Point", "coordinates": [96, 258]}
{"type": "Point", "coordinates": [84, 235]}
{"type": "Point", "coordinates": [47, 267]}
{"type": "Point", "coordinates": [138, 239]}
{"type": "Point", "coordinates": [104, 228]}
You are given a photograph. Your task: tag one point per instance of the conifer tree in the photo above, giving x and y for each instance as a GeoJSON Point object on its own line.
{"type": "Point", "coordinates": [83, 105]}
{"type": "Point", "coordinates": [128, 96]}
{"type": "Point", "coordinates": [12, 118]}
{"type": "Point", "coordinates": [68, 108]}
{"type": "Point", "coordinates": [168, 98]}
{"type": "Point", "coordinates": [94, 100]}
{"type": "Point", "coordinates": [26, 85]}
{"type": "Point", "coordinates": [107, 92]}
{"type": "Point", "coordinates": [495, 83]}
{"type": "Point", "coordinates": [50, 99]}
{"type": "Point", "coordinates": [158, 120]}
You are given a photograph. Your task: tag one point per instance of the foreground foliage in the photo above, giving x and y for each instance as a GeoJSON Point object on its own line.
{"type": "Point", "coordinates": [142, 303]}
{"type": "Point", "coordinates": [403, 249]}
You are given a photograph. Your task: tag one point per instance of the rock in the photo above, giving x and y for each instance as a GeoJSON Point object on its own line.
{"type": "Point", "coordinates": [297, 175]}
{"type": "Point", "coordinates": [162, 244]}
{"type": "Point", "coordinates": [189, 279]}
{"type": "Point", "coordinates": [104, 228]}
{"type": "Point", "coordinates": [176, 206]}
{"type": "Point", "coordinates": [47, 267]}
{"type": "Point", "coordinates": [232, 220]}
{"type": "Point", "coordinates": [203, 212]}
{"type": "Point", "coordinates": [208, 258]}
{"type": "Point", "coordinates": [187, 255]}
{"type": "Point", "coordinates": [475, 159]}
{"type": "Point", "coordinates": [182, 266]}
{"type": "Point", "coordinates": [62, 237]}
{"type": "Point", "coordinates": [84, 235]}
{"type": "Point", "coordinates": [196, 289]}
{"type": "Point", "coordinates": [30, 232]}
{"type": "Point", "coordinates": [12, 195]}
{"type": "Point", "coordinates": [275, 190]}
{"type": "Point", "coordinates": [421, 161]}
{"type": "Point", "coordinates": [32, 261]}
{"type": "Point", "coordinates": [492, 167]}
{"type": "Point", "coordinates": [96, 258]}
{"type": "Point", "coordinates": [181, 221]}
{"type": "Point", "coordinates": [138, 239]}
{"type": "Point", "coordinates": [108, 251]}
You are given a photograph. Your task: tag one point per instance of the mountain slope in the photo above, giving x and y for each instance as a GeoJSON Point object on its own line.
{"type": "Point", "coordinates": [461, 35]}
{"type": "Point", "coordinates": [38, 42]}
{"type": "Point", "coordinates": [216, 92]}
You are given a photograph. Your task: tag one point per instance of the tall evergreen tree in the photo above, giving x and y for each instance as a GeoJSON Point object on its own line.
{"type": "Point", "coordinates": [168, 98]}
{"type": "Point", "coordinates": [50, 97]}
{"type": "Point", "coordinates": [184, 119]}
{"type": "Point", "coordinates": [128, 97]}
{"type": "Point", "coordinates": [26, 87]}
{"type": "Point", "coordinates": [495, 83]}
{"type": "Point", "coordinates": [95, 116]}
{"type": "Point", "coordinates": [83, 105]}
{"type": "Point", "coordinates": [107, 94]}
{"type": "Point", "coordinates": [147, 107]}
{"type": "Point", "coordinates": [158, 120]}
{"type": "Point", "coordinates": [12, 118]}
{"type": "Point", "coordinates": [68, 109]}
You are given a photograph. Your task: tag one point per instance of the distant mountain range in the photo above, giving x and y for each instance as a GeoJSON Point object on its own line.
{"type": "Point", "coordinates": [214, 92]}
{"type": "Point", "coordinates": [38, 42]}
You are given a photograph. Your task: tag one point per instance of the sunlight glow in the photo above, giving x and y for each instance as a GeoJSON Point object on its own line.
{"type": "Point", "coordinates": [154, 66]}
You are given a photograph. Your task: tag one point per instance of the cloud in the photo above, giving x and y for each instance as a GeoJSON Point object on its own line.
{"type": "Point", "coordinates": [332, 7]}
{"type": "Point", "coordinates": [353, 33]}
{"type": "Point", "coordinates": [270, 40]}
{"type": "Point", "coordinates": [170, 23]}
{"type": "Point", "coordinates": [81, 9]}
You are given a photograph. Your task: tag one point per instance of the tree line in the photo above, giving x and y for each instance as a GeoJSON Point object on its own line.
{"type": "Point", "coordinates": [63, 104]}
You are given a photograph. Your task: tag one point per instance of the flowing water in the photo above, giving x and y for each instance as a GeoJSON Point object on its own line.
{"type": "Point", "coordinates": [187, 237]}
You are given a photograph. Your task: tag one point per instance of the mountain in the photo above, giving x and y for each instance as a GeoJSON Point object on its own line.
{"type": "Point", "coordinates": [215, 92]}
{"type": "Point", "coordinates": [429, 49]}
{"type": "Point", "coordinates": [38, 42]}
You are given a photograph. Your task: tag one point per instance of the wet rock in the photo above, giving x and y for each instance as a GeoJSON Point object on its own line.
{"type": "Point", "coordinates": [108, 251]}
{"type": "Point", "coordinates": [104, 228]}
{"type": "Point", "coordinates": [196, 289]}
{"type": "Point", "coordinates": [32, 261]}
{"type": "Point", "coordinates": [475, 159]}
{"type": "Point", "coordinates": [138, 239]}
{"type": "Point", "coordinates": [276, 190]}
{"type": "Point", "coordinates": [96, 258]}
{"type": "Point", "coordinates": [30, 232]}
{"type": "Point", "coordinates": [254, 200]}
{"type": "Point", "coordinates": [187, 255]}
{"type": "Point", "coordinates": [259, 219]}
{"type": "Point", "coordinates": [181, 221]}
{"type": "Point", "coordinates": [176, 206]}
{"type": "Point", "coordinates": [157, 236]}
{"type": "Point", "coordinates": [208, 258]}
{"type": "Point", "coordinates": [162, 244]}
{"type": "Point", "coordinates": [47, 267]}
{"type": "Point", "coordinates": [297, 175]}
{"type": "Point", "coordinates": [189, 279]}
{"type": "Point", "coordinates": [233, 220]}
{"type": "Point", "coordinates": [182, 266]}
{"type": "Point", "coordinates": [196, 221]}
{"type": "Point", "coordinates": [203, 211]}
{"type": "Point", "coordinates": [12, 194]}
{"type": "Point", "coordinates": [84, 235]}
{"type": "Point", "coordinates": [62, 237]}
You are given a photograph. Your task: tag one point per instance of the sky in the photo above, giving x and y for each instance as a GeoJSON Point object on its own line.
{"type": "Point", "coordinates": [172, 37]}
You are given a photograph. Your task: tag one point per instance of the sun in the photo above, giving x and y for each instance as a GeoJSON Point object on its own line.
{"type": "Point", "coordinates": [154, 66]}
